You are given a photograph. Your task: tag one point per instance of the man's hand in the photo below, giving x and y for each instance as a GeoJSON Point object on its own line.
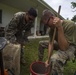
{"type": "Point", "coordinates": [46, 63]}
{"type": "Point", "coordinates": [57, 22]}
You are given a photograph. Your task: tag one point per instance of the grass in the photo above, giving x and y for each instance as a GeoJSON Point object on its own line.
{"type": "Point", "coordinates": [31, 55]}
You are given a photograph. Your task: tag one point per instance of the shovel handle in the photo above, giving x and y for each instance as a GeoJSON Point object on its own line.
{"type": "Point", "coordinates": [54, 34]}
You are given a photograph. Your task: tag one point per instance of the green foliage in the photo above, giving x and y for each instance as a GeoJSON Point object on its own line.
{"type": "Point", "coordinates": [70, 68]}
{"type": "Point", "coordinates": [74, 18]}
{"type": "Point", "coordinates": [73, 7]}
{"type": "Point", "coordinates": [73, 4]}
{"type": "Point", "coordinates": [31, 55]}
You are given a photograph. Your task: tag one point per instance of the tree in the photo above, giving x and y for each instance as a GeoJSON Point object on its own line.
{"type": "Point", "coordinates": [74, 18]}
{"type": "Point", "coordinates": [73, 5]}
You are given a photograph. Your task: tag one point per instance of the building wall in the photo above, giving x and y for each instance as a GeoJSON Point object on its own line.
{"type": "Point", "coordinates": [7, 14]}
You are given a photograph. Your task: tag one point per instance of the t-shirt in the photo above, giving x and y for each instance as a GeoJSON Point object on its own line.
{"type": "Point", "coordinates": [69, 28]}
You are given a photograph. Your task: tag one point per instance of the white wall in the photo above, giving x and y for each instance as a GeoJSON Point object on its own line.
{"type": "Point", "coordinates": [7, 14]}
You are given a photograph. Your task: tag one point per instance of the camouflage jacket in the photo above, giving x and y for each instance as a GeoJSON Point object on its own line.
{"type": "Point", "coordinates": [17, 30]}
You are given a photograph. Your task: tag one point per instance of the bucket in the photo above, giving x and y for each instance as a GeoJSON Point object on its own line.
{"type": "Point", "coordinates": [38, 68]}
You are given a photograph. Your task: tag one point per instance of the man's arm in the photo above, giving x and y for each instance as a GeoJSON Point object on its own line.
{"type": "Point", "coordinates": [50, 51]}
{"type": "Point", "coordinates": [11, 28]}
{"type": "Point", "coordinates": [62, 41]}
{"type": "Point", "coordinates": [50, 47]}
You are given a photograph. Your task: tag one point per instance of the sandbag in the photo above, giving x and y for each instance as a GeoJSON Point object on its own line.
{"type": "Point", "coordinates": [11, 58]}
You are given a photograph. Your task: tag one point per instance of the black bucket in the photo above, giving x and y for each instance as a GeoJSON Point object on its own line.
{"type": "Point", "coordinates": [38, 68]}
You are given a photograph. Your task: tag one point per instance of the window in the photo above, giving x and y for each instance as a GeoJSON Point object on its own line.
{"type": "Point", "coordinates": [0, 16]}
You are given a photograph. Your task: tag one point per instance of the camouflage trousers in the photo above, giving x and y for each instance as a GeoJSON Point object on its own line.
{"type": "Point", "coordinates": [11, 56]}
{"type": "Point", "coordinates": [58, 59]}
{"type": "Point", "coordinates": [44, 45]}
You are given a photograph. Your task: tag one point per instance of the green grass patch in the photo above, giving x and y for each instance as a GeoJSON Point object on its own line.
{"type": "Point", "coordinates": [31, 55]}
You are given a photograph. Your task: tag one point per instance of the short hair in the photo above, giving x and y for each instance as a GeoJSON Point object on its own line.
{"type": "Point", "coordinates": [46, 14]}
{"type": "Point", "coordinates": [32, 12]}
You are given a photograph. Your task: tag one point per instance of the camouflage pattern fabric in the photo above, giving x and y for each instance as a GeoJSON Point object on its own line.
{"type": "Point", "coordinates": [17, 30]}
{"type": "Point", "coordinates": [11, 56]}
{"type": "Point", "coordinates": [44, 45]}
{"type": "Point", "coordinates": [59, 58]}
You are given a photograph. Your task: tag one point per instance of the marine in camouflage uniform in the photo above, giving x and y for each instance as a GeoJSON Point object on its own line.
{"type": "Point", "coordinates": [19, 28]}
{"type": "Point", "coordinates": [66, 39]}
